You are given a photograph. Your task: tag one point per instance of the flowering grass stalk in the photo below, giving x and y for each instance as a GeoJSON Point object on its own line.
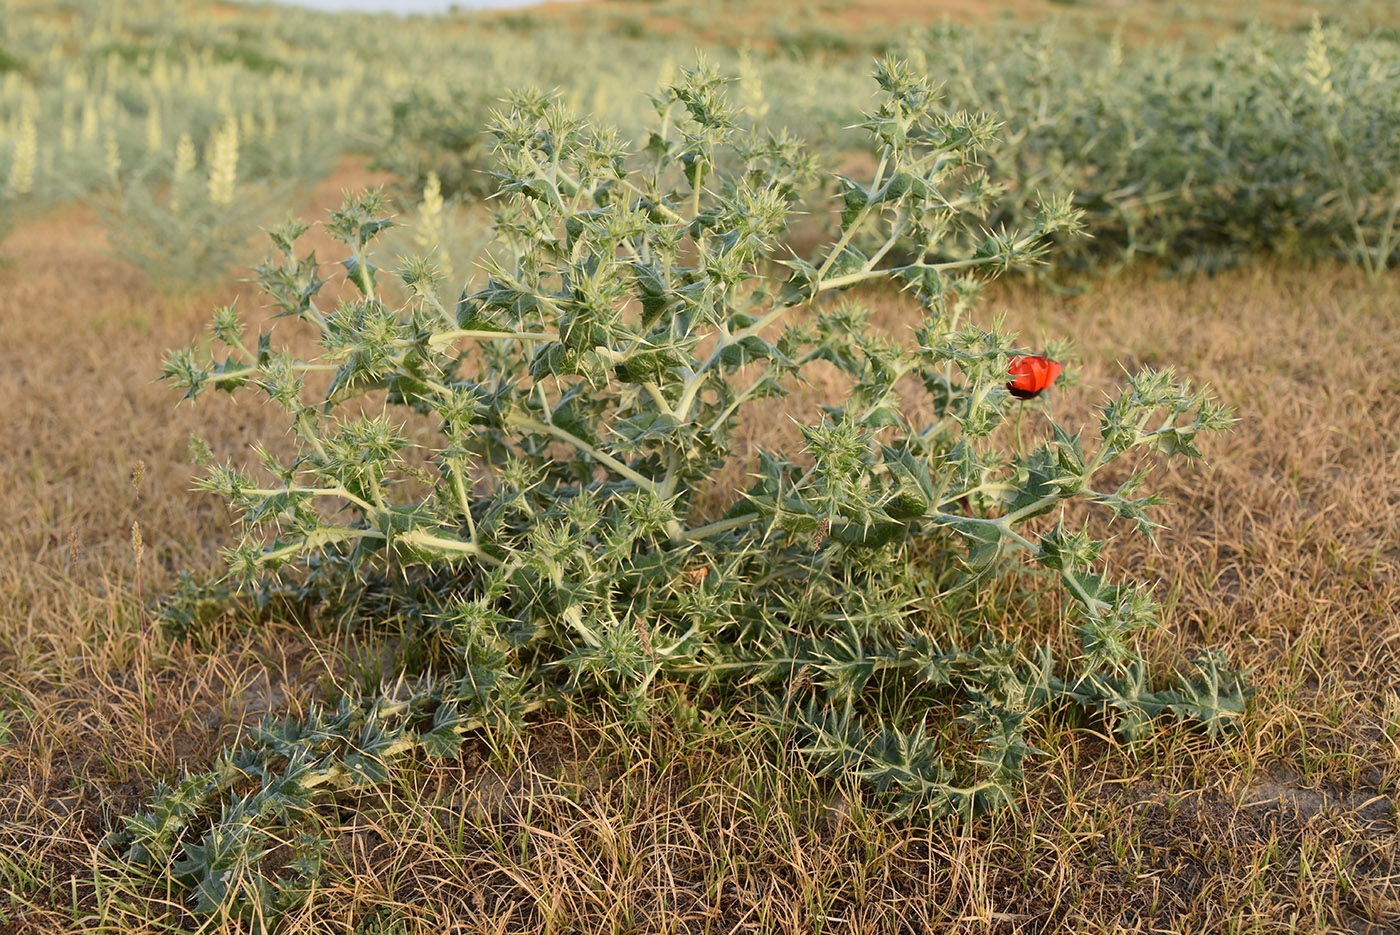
{"type": "Point", "coordinates": [20, 181]}
{"type": "Point", "coordinates": [191, 233]}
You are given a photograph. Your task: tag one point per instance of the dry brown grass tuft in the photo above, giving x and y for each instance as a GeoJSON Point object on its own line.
{"type": "Point", "coordinates": [1285, 551]}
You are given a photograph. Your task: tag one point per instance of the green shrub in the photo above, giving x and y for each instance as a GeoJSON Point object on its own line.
{"type": "Point", "coordinates": [10, 62]}
{"type": "Point", "coordinates": [8, 221]}
{"type": "Point", "coordinates": [551, 540]}
{"type": "Point", "coordinates": [444, 134]}
{"type": "Point", "coordinates": [1272, 145]}
{"type": "Point", "coordinates": [188, 234]}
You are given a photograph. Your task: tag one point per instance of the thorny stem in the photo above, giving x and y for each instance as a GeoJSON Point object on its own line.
{"type": "Point", "coordinates": [534, 425]}
{"type": "Point", "coordinates": [339, 493]}
{"type": "Point", "coordinates": [447, 337]}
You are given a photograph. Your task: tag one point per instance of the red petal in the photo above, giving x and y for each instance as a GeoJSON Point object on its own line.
{"type": "Point", "coordinates": [1032, 373]}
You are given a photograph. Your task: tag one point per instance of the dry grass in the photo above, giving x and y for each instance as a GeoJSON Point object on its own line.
{"type": "Point", "coordinates": [95, 707]}
{"type": "Point", "coordinates": [1285, 551]}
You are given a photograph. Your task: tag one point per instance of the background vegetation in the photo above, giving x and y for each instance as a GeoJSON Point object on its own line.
{"type": "Point", "coordinates": [141, 145]}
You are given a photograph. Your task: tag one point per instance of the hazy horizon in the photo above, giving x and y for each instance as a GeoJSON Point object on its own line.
{"type": "Point", "coordinates": [406, 6]}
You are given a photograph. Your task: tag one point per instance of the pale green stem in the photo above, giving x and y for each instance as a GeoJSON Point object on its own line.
{"type": "Point", "coordinates": [602, 457]}
{"type": "Point", "coordinates": [696, 379]}
{"type": "Point", "coordinates": [308, 433]}
{"type": "Point", "coordinates": [724, 525]}
{"type": "Point", "coordinates": [428, 540]}
{"type": "Point", "coordinates": [655, 393]}
{"type": "Point", "coordinates": [462, 499]}
{"type": "Point", "coordinates": [738, 401]}
{"type": "Point", "coordinates": [338, 492]}
{"type": "Point", "coordinates": [447, 337]}
{"type": "Point", "coordinates": [249, 371]}
{"type": "Point", "coordinates": [859, 221]}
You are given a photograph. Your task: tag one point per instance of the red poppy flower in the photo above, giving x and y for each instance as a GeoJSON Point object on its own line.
{"type": "Point", "coordinates": [1033, 373]}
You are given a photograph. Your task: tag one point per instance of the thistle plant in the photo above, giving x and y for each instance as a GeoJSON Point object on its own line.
{"type": "Point", "coordinates": [553, 540]}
